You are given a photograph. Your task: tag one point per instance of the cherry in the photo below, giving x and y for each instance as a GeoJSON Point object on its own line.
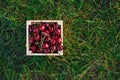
{"type": "Point", "coordinates": [31, 40]}
{"type": "Point", "coordinates": [38, 51]}
{"type": "Point", "coordinates": [37, 37]}
{"type": "Point", "coordinates": [33, 48]}
{"type": "Point", "coordinates": [54, 37]}
{"type": "Point", "coordinates": [53, 48]}
{"type": "Point", "coordinates": [47, 39]}
{"type": "Point", "coordinates": [46, 33]}
{"type": "Point", "coordinates": [35, 30]}
{"type": "Point", "coordinates": [52, 41]}
{"type": "Point", "coordinates": [46, 24]}
{"type": "Point", "coordinates": [57, 26]}
{"type": "Point", "coordinates": [42, 28]}
{"type": "Point", "coordinates": [31, 26]}
{"type": "Point", "coordinates": [58, 31]}
{"type": "Point", "coordinates": [60, 47]}
{"type": "Point", "coordinates": [59, 40]}
{"type": "Point", "coordinates": [51, 29]}
{"type": "Point", "coordinates": [30, 29]}
{"type": "Point", "coordinates": [36, 43]}
{"type": "Point", "coordinates": [46, 50]}
{"type": "Point", "coordinates": [45, 45]}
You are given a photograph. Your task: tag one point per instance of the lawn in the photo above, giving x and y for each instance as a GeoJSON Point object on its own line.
{"type": "Point", "coordinates": [91, 40]}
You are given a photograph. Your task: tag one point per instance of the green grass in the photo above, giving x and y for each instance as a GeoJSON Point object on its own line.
{"type": "Point", "coordinates": [91, 40]}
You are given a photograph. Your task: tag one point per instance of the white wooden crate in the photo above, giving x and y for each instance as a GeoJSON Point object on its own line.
{"type": "Point", "coordinates": [28, 52]}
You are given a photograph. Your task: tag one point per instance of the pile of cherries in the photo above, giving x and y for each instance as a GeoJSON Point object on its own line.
{"type": "Point", "coordinates": [45, 37]}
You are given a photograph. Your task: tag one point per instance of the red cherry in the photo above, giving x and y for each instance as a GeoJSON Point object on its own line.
{"type": "Point", "coordinates": [58, 31]}
{"type": "Point", "coordinates": [59, 40]}
{"type": "Point", "coordinates": [36, 43]}
{"type": "Point", "coordinates": [42, 28]}
{"type": "Point", "coordinates": [33, 48]}
{"type": "Point", "coordinates": [35, 30]}
{"type": "Point", "coordinates": [47, 39]}
{"type": "Point", "coordinates": [30, 29]}
{"type": "Point", "coordinates": [51, 29]}
{"type": "Point", "coordinates": [46, 50]}
{"type": "Point", "coordinates": [54, 37]}
{"type": "Point", "coordinates": [57, 26]}
{"type": "Point", "coordinates": [47, 24]}
{"type": "Point", "coordinates": [38, 51]}
{"type": "Point", "coordinates": [45, 45]}
{"type": "Point", "coordinates": [53, 48]}
{"type": "Point", "coordinates": [60, 47]}
{"type": "Point", "coordinates": [31, 40]}
{"type": "Point", "coordinates": [46, 33]}
{"type": "Point", "coordinates": [37, 37]}
{"type": "Point", "coordinates": [52, 41]}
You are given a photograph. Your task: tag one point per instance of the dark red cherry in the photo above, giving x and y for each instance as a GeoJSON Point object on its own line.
{"type": "Point", "coordinates": [38, 51]}
{"type": "Point", "coordinates": [60, 47]}
{"type": "Point", "coordinates": [47, 39]}
{"type": "Point", "coordinates": [46, 50]}
{"type": "Point", "coordinates": [37, 37]}
{"type": "Point", "coordinates": [59, 40]}
{"type": "Point", "coordinates": [31, 40]}
{"type": "Point", "coordinates": [54, 37]}
{"type": "Point", "coordinates": [30, 29]}
{"type": "Point", "coordinates": [51, 29]}
{"type": "Point", "coordinates": [45, 45]}
{"type": "Point", "coordinates": [35, 30]}
{"type": "Point", "coordinates": [52, 41]}
{"type": "Point", "coordinates": [53, 48]}
{"type": "Point", "coordinates": [57, 26]}
{"type": "Point", "coordinates": [58, 31]}
{"type": "Point", "coordinates": [36, 43]}
{"type": "Point", "coordinates": [47, 24]}
{"type": "Point", "coordinates": [46, 33]}
{"type": "Point", "coordinates": [42, 28]}
{"type": "Point", "coordinates": [33, 48]}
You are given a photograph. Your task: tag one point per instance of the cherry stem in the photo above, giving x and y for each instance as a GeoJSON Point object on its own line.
{"type": "Point", "coordinates": [52, 51]}
{"type": "Point", "coordinates": [41, 42]}
{"type": "Point", "coordinates": [39, 46]}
